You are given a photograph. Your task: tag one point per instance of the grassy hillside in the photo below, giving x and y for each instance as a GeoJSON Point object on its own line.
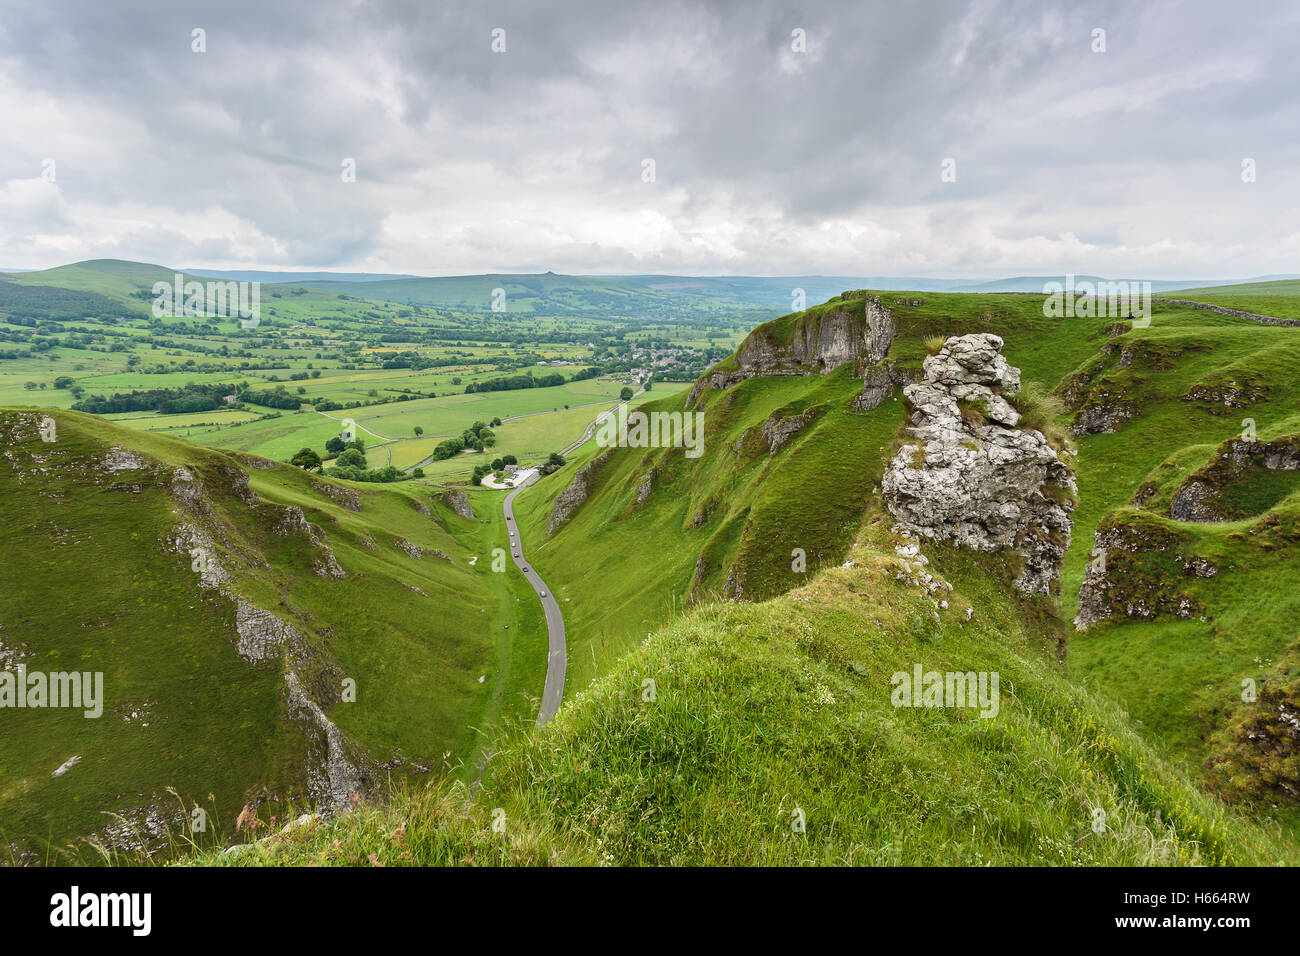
{"type": "Point", "coordinates": [1279, 298]}
{"type": "Point", "coordinates": [96, 574]}
{"type": "Point", "coordinates": [1180, 677]}
{"type": "Point", "coordinates": [764, 716]}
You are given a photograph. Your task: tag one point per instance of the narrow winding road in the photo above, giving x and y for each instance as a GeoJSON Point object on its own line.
{"type": "Point", "coordinates": [557, 649]}
{"type": "Point", "coordinates": [556, 655]}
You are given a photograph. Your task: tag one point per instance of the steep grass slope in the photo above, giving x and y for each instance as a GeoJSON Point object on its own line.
{"type": "Point", "coordinates": [234, 607]}
{"type": "Point", "coordinates": [1147, 406]}
{"type": "Point", "coordinates": [765, 734]}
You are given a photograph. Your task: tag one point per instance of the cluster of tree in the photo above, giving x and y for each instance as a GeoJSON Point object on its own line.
{"type": "Point", "coordinates": [278, 397]}
{"type": "Point", "coordinates": [349, 463]}
{"type": "Point", "coordinates": [477, 437]}
{"type": "Point", "coordinates": [513, 382]}
{"type": "Point", "coordinates": [165, 401]}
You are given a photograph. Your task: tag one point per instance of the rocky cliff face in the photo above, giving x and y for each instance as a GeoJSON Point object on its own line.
{"type": "Point", "coordinates": [568, 501]}
{"type": "Point", "coordinates": [1201, 496]}
{"type": "Point", "coordinates": [860, 330]}
{"type": "Point", "coordinates": [972, 476]}
{"type": "Point", "coordinates": [458, 501]}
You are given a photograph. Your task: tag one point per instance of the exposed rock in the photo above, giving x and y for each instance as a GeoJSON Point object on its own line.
{"type": "Point", "coordinates": [332, 782]}
{"type": "Point", "coordinates": [859, 330]}
{"type": "Point", "coordinates": [1125, 577]}
{"type": "Point", "coordinates": [985, 486]}
{"type": "Point", "coordinates": [120, 459]}
{"type": "Point", "coordinates": [204, 557]}
{"type": "Point", "coordinates": [458, 501]}
{"type": "Point", "coordinates": [647, 485]}
{"type": "Point", "coordinates": [1221, 397]}
{"type": "Point", "coordinates": [878, 383]}
{"type": "Point", "coordinates": [414, 550]}
{"type": "Point", "coordinates": [568, 501]}
{"type": "Point", "coordinates": [261, 633]}
{"type": "Point", "coordinates": [1200, 496]}
{"type": "Point", "coordinates": [1103, 412]}
{"type": "Point", "coordinates": [1258, 753]}
{"type": "Point", "coordinates": [345, 497]}
{"type": "Point", "coordinates": [293, 521]}
{"type": "Point", "coordinates": [188, 490]}
{"type": "Point", "coordinates": [733, 588]}
{"type": "Point", "coordinates": [238, 479]}
{"type": "Point", "coordinates": [421, 507]}
{"type": "Point", "coordinates": [779, 431]}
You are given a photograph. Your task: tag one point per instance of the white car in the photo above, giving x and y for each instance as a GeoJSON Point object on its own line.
{"type": "Point", "coordinates": [542, 593]}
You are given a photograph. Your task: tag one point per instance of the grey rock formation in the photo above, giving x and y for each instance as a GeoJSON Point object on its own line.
{"type": "Point", "coordinates": [261, 633]}
{"type": "Point", "coordinates": [458, 501]}
{"type": "Point", "coordinates": [647, 485]}
{"type": "Point", "coordinates": [985, 486]}
{"type": "Point", "coordinates": [1200, 497]}
{"type": "Point", "coordinates": [293, 521]}
{"type": "Point", "coordinates": [1116, 584]}
{"type": "Point", "coordinates": [568, 501]}
{"type": "Point", "coordinates": [820, 343]}
{"type": "Point", "coordinates": [120, 459]}
{"type": "Point", "coordinates": [779, 431]}
{"type": "Point", "coordinates": [345, 497]}
{"type": "Point", "coordinates": [335, 779]}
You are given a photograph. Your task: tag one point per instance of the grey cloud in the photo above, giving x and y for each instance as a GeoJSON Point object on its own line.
{"type": "Point", "coordinates": [767, 161]}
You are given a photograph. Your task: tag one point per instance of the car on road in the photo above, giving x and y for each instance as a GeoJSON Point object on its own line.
{"type": "Point", "coordinates": [542, 593]}
{"type": "Point", "coordinates": [516, 554]}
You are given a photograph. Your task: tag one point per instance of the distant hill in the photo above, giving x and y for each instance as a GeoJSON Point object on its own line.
{"type": "Point", "coordinates": [294, 278]}
{"type": "Point", "coordinates": [1288, 286]}
{"type": "Point", "coordinates": [550, 293]}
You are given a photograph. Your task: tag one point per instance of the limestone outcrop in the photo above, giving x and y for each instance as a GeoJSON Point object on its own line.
{"type": "Point", "coordinates": [458, 501]}
{"type": "Point", "coordinates": [971, 476]}
{"type": "Point", "coordinates": [860, 330]}
{"type": "Point", "coordinates": [1201, 497]}
{"type": "Point", "coordinates": [568, 501]}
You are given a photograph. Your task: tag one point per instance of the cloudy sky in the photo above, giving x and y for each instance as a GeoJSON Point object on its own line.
{"type": "Point", "coordinates": [786, 138]}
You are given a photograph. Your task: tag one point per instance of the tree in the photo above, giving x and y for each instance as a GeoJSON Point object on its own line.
{"type": "Point", "coordinates": [497, 464]}
{"type": "Point", "coordinates": [351, 458]}
{"type": "Point", "coordinates": [418, 431]}
{"type": "Point", "coordinates": [64, 381]}
{"type": "Point", "coordinates": [417, 473]}
{"type": "Point", "coordinates": [306, 459]}
{"type": "Point", "coordinates": [509, 460]}
{"type": "Point", "coordinates": [626, 393]}
{"type": "Point", "coordinates": [334, 445]}
{"type": "Point", "coordinates": [555, 458]}
{"type": "Point", "coordinates": [496, 422]}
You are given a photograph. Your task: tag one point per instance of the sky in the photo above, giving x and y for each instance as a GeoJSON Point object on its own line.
{"type": "Point", "coordinates": [939, 139]}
